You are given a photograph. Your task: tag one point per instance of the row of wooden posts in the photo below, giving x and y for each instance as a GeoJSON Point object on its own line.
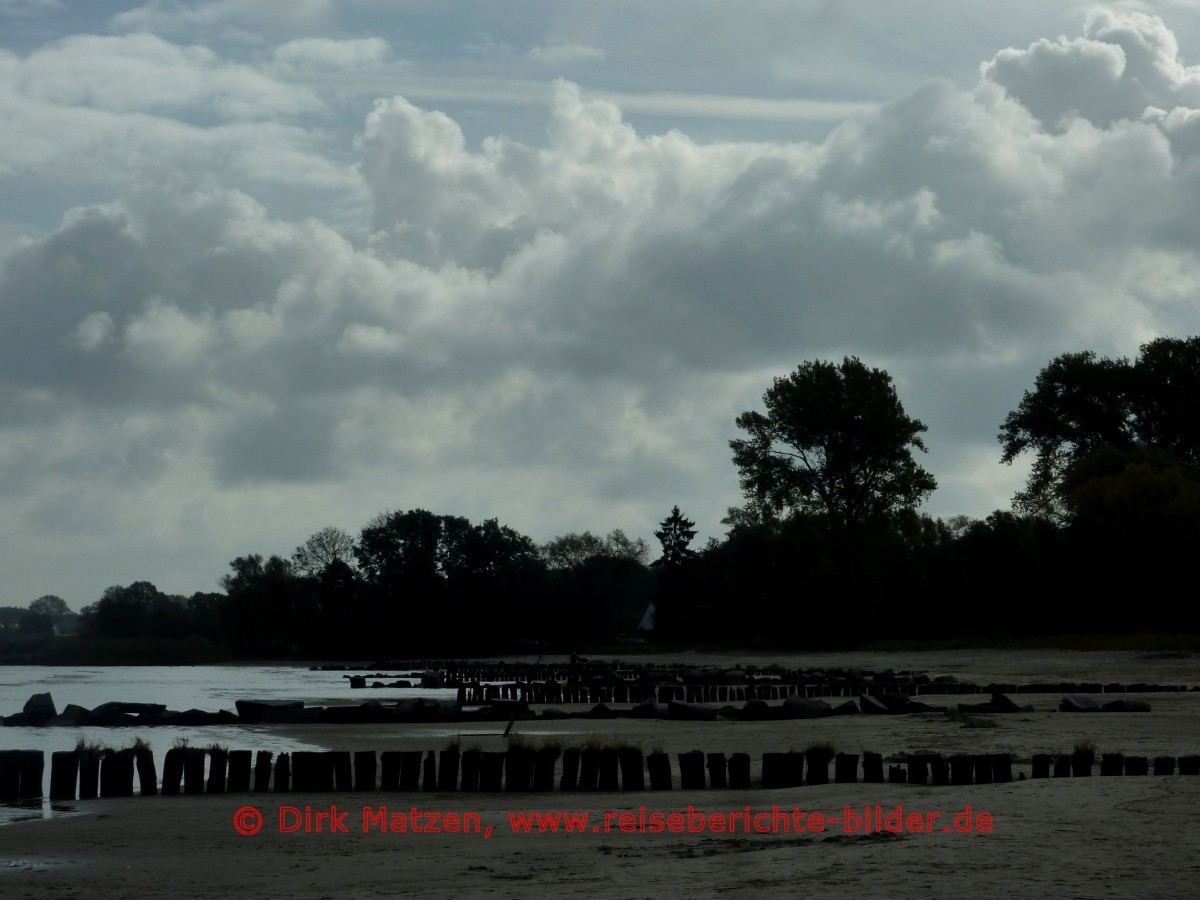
{"type": "Point", "coordinates": [538, 692]}
{"type": "Point", "coordinates": [111, 774]}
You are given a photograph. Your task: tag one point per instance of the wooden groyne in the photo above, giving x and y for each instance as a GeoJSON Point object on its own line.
{"type": "Point", "coordinates": [85, 775]}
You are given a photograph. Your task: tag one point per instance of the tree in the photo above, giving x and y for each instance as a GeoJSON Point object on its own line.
{"type": "Point", "coordinates": [834, 442]}
{"type": "Point", "coordinates": [1083, 404]}
{"type": "Point", "coordinates": [50, 606]}
{"type": "Point", "coordinates": [675, 533]}
{"type": "Point", "coordinates": [573, 550]}
{"type": "Point", "coordinates": [325, 547]}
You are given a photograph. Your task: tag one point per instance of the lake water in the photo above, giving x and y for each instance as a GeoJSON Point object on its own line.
{"type": "Point", "coordinates": [181, 688]}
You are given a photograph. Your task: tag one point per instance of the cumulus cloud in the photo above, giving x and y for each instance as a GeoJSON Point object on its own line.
{"type": "Point", "coordinates": [561, 334]}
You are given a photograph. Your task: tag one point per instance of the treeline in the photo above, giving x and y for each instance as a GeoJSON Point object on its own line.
{"type": "Point", "coordinates": [828, 550]}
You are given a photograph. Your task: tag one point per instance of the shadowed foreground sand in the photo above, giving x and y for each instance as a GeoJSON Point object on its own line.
{"type": "Point", "coordinates": [1098, 837]}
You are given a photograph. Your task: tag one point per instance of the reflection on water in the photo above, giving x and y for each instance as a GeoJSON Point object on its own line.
{"type": "Point", "coordinates": [27, 810]}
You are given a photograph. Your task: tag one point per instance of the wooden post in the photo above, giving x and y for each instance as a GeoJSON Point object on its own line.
{"type": "Point", "coordinates": [1041, 765]}
{"type": "Point", "coordinates": [962, 768]}
{"type": "Point", "coordinates": [410, 771]}
{"type": "Point", "coordinates": [1136, 765]}
{"type": "Point", "coordinates": [1001, 768]}
{"type": "Point", "coordinates": [32, 763]}
{"type": "Point", "coordinates": [239, 772]}
{"type": "Point", "coordinates": [589, 769]}
{"type": "Point", "coordinates": [609, 762]}
{"type": "Point", "coordinates": [1164, 765]}
{"type": "Point", "coordinates": [1112, 764]}
{"type": "Point", "coordinates": [470, 770]}
{"type": "Point", "coordinates": [117, 774]}
{"type": "Point", "coordinates": [897, 775]}
{"type": "Point", "coordinates": [983, 769]}
{"type": "Point", "coordinates": [172, 771]}
{"type": "Point", "coordinates": [448, 770]}
{"type": "Point", "coordinates": [491, 771]}
{"type": "Point", "coordinates": [343, 771]}
{"type": "Point", "coordinates": [389, 770]}
{"type": "Point", "coordinates": [570, 775]}
{"type": "Point", "coordinates": [845, 768]}
{"type": "Point", "coordinates": [716, 770]}
{"type": "Point", "coordinates": [816, 760]}
{"type": "Point", "coordinates": [1062, 766]}
{"type": "Point", "coordinates": [918, 769]}
{"type": "Point", "coordinates": [10, 775]}
{"type": "Point", "coordinates": [364, 770]}
{"type": "Point", "coordinates": [218, 761]}
{"type": "Point", "coordinates": [64, 772]}
{"type": "Point", "coordinates": [262, 771]}
{"type": "Point", "coordinates": [739, 771]}
{"type": "Point", "coordinates": [544, 763]}
{"type": "Point", "coordinates": [429, 782]}
{"type": "Point", "coordinates": [193, 771]}
{"type": "Point", "coordinates": [873, 768]}
{"type": "Point", "coordinates": [939, 770]}
{"type": "Point", "coordinates": [518, 763]}
{"type": "Point", "coordinates": [283, 774]}
{"type": "Point", "coordinates": [659, 767]}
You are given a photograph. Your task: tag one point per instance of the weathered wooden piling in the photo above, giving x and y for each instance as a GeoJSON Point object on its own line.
{"type": "Point", "coordinates": [390, 764]}
{"type": "Point", "coordinates": [10, 775]}
{"type": "Point", "coordinates": [845, 768]}
{"type": "Point", "coordinates": [873, 768]}
{"type": "Point", "coordinates": [410, 771]}
{"type": "Point", "coordinates": [609, 779]}
{"type": "Point", "coordinates": [659, 767]}
{"type": "Point", "coordinates": [218, 762]}
{"type": "Point", "coordinates": [262, 771]}
{"type": "Point", "coordinates": [691, 770]}
{"type": "Point", "coordinates": [1137, 765]}
{"type": "Point", "coordinates": [64, 773]}
{"type": "Point", "coordinates": [193, 771]}
{"type": "Point", "coordinates": [448, 770]}
{"type": "Point", "coordinates": [589, 769]}
{"type": "Point", "coordinates": [939, 771]}
{"type": "Point", "coordinates": [1062, 766]}
{"type": "Point", "coordinates": [716, 770]}
{"type": "Point", "coordinates": [1164, 765]}
{"type": "Point", "coordinates": [570, 775]}
{"type": "Point", "coordinates": [30, 765]}
{"type": "Point", "coordinates": [739, 771]}
{"type": "Point", "coordinates": [1189, 765]}
{"type": "Point", "coordinates": [470, 769]}
{"type": "Point", "coordinates": [239, 772]}
{"type": "Point", "coordinates": [918, 769]}
{"type": "Point", "coordinates": [545, 761]}
{"type": "Point", "coordinates": [1041, 765]}
{"type": "Point", "coordinates": [962, 769]}
{"type": "Point", "coordinates": [491, 771]}
{"type": "Point", "coordinates": [897, 775]}
{"type": "Point", "coordinates": [816, 761]}
{"type": "Point", "coordinates": [283, 773]}
{"type": "Point", "coordinates": [1001, 768]}
{"type": "Point", "coordinates": [429, 781]}
{"type": "Point", "coordinates": [172, 771]}
{"type": "Point", "coordinates": [518, 766]}
{"type": "Point", "coordinates": [983, 769]}
{"type": "Point", "coordinates": [1112, 764]}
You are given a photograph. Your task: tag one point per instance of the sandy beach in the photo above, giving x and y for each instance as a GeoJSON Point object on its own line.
{"type": "Point", "coordinates": [1096, 837]}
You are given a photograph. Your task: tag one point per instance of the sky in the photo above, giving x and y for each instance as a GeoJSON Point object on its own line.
{"type": "Point", "coordinates": [267, 267]}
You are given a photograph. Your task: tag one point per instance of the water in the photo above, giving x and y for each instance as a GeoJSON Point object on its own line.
{"type": "Point", "coordinates": [209, 688]}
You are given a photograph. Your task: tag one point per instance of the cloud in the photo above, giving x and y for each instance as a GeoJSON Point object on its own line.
{"type": "Point", "coordinates": [333, 54]}
{"type": "Point", "coordinates": [559, 53]}
{"type": "Point", "coordinates": [562, 333]}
